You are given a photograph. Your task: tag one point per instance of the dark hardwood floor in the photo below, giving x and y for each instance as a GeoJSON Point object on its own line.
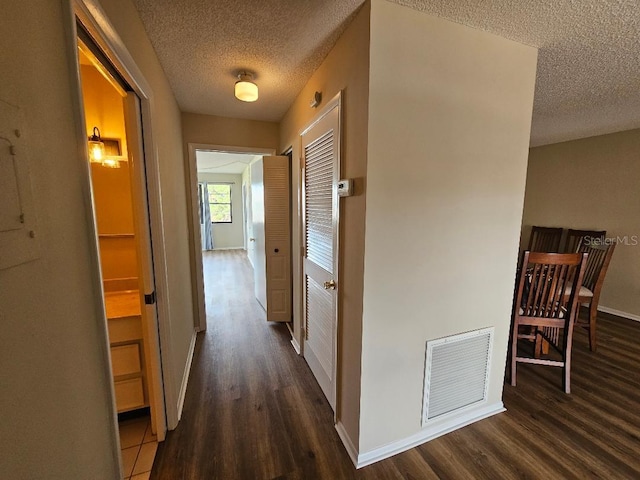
{"type": "Point", "coordinates": [254, 411]}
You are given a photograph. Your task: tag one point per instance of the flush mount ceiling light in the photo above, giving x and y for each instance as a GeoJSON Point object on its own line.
{"type": "Point", "coordinates": [96, 147]}
{"type": "Point", "coordinates": [245, 89]}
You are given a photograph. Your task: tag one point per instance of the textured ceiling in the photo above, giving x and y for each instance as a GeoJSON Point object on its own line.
{"type": "Point", "coordinates": [588, 66]}
{"type": "Point", "coordinates": [219, 162]}
{"type": "Point", "coordinates": [202, 44]}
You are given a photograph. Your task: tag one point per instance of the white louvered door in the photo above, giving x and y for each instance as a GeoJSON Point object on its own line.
{"type": "Point", "coordinates": [277, 237]}
{"type": "Point", "coordinates": [271, 240]}
{"type": "Point", "coordinates": [320, 147]}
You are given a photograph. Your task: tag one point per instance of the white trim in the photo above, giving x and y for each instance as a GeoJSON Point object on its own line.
{"type": "Point", "coordinates": [195, 241]}
{"type": "Point", "coordinates": [335, 102]}
{"type": "Point", "coordinates": [348, 444]}
{"type": "Point", "coordinates": [294, 342]}
{"type": "Point", "coordinates": [70, 11]}
{"type": "Point", "coordinates": [426, 435]}
{"type": "Point", "coordinates": [226, 248]}
{"type": "Point", "coordinates": [103, 33]}
{"type": "Point", "coordinates": [185, 375]}
{"type": "Point", "coordinates": [619, 313]}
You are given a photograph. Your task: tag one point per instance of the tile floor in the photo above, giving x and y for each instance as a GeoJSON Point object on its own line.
{"type": "Point", "coordinates": [138, 446]}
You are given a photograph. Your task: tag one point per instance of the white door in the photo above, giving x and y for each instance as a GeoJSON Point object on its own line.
{"type": "Point", "coordinates": [258, 238]}
{"type": "Point", "coordinates": [277, 231]}
{"type": "Point", "coordinates": [145, 263]}
{"type": "Point", "coordinates": [320, 148]}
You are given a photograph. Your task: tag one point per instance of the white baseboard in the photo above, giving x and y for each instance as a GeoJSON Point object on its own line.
{"type": "Point", "coordinates": [185, 375]}
{"type": "Point", "coordinates": [348, 444]}
{"type": "Point", "coordinates": [619, 313]}
{"type": "Point", "coordinates": [227, 248]}
{"type": "Point", "coordinates": [424, 435]}
{"type": "Point", "coordinates": [296, 345]}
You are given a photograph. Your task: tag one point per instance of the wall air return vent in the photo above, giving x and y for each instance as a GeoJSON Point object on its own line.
{"type": "Point", "coordinates": [456, 373]}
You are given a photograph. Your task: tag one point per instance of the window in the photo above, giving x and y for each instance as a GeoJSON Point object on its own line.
{"type": "Point", "coordinates": [219, 202]}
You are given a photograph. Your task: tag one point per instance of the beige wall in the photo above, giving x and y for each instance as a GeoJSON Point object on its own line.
{"type": "Point", "coordinates": [103, 108]}
{"type": "Point", "coordinates": [228, 235]}
{"type": "Point", "coordinates": [345, 68]}
{"type": "Point", "coordinates": [236, 132]}
{"type": "Point", "coordinates": [449, 121]}
{"type": "Point", "coordinates": [56, 399]}
{"type": "Point", "coordinates": [57, 419]}
{"type": "Point", "coordinates": [592, 184]}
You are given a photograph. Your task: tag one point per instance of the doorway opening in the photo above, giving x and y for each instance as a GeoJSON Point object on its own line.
{"type": "Point", "coordinates": [232, 190]}
{"type": "Point", "coordinates": [111, 112]}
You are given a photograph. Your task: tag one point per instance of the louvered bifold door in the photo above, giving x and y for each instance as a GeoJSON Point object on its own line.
{"type": "Point", "coordinates": [321, 167]}
{"type": "Point", "coordinates": [277, 234]}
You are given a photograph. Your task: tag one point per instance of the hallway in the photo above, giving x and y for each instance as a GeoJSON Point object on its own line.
{"type": "Point", "coordinates": [254, 411]}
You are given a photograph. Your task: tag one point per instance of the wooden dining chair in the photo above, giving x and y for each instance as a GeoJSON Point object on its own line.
{"type": "Point", "coordinates": [595, 272]}
{"type": "Point", "coordinates": [545, 311]}
{"type": "Point", "coordinates": [576, 237]}
{"type": "Point", "coordinates": [544, 239]}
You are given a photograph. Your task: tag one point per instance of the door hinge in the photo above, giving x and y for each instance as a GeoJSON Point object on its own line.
{"type": "Point", "coordinates": [150, 298]}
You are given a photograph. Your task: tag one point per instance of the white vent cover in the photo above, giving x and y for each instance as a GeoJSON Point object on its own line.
{"type": "Point", "coordinates": [456, 373]}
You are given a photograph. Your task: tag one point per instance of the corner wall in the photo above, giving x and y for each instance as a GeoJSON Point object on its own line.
{"type": "Point", "coordinates": [56, 396]}
{"type": "Point", "coordinates": [592, 183]}
{"type": "Point", "coordinates": [449, 120]}
{"type": "Point", "coordinates": [57, 416]}
{"type": "Point", "coordinates": [346, 68]}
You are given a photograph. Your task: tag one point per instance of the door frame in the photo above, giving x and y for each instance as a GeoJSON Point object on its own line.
{"type": "Point", "coordinates": [93, 18]}
{"type": "Point", "coordinates": [335, 102]}
{"type": "Point", "coordinates": [195, 238]}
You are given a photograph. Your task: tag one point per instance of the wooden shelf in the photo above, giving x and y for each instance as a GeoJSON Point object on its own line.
{"type": "Point", "coordinates": [122, 304]}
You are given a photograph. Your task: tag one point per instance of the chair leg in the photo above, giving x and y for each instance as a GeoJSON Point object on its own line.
{"type": "Point", "coordinates": [538, 347]}
{"type": "Point", "coordinates": [593, 314]}
{"type": "Point", "coordinates": [566, 368]}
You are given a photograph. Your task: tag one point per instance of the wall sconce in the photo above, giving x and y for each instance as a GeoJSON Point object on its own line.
{"type": "Point", "coordinates": [245, 89]}
{"type": "Point", "coordinates": [96, 147]}
{"type": "Point", "coordinates": [104, 150]}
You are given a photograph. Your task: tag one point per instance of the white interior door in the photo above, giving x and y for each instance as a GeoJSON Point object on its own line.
{"type": "Point", "coordinates": [145, 264]}
{"type": "Point", "coordinates": [258, 233]}
{"type": "Point", "coordinates": [320, 147]}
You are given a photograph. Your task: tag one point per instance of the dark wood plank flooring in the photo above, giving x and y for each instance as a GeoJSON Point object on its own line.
{"type": "Point", "coordinates": [254, 411]}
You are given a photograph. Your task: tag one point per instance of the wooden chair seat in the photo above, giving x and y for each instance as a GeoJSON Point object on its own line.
{"type": "Point", "coordinates": [584, 294]}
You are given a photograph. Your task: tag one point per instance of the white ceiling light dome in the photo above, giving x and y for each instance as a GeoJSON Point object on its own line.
{"type": "Point", "coordinates": [245, 89]}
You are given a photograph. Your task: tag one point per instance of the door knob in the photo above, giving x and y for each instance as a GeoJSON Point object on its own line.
{"type": "Point", "coordinates": [252, 239]}
{"type": "Point", "coordinates": [330, 285]}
